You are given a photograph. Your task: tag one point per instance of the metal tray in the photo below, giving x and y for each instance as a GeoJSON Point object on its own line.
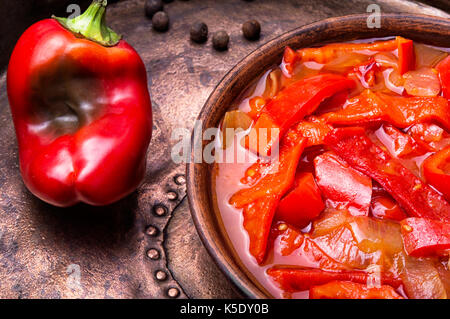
{"type": "Point", "coordinates": [144, 246]}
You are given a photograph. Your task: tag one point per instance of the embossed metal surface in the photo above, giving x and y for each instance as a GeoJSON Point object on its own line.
{"type": "Point", "coordinates": [144, 246]}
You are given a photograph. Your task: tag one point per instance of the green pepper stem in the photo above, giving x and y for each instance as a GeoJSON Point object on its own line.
{"type": "Point", "coordinates": [92, 25]}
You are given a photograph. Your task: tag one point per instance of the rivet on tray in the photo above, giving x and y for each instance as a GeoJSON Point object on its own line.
{"type": "Point", "coordinates": [159, 210]}
{"type": "Point", "coordinates": [172, 195]}
{"type": "Point", "coordinates": [173, 292]}
{"type": "Point", "coordinates": [152, 231]}
{"type": "Point", "coordinates": [153, 254]}
{"type": "Point", "coordinates": [180, 179]}
{"type": "Point", "coordinates": [160, 275]}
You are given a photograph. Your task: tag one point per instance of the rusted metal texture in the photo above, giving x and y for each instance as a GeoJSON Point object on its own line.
{"type": "Point", "coordinates": [144, 246]}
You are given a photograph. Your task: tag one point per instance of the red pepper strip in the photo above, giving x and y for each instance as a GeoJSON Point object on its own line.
{"type": "Point", "coordinates": [436, 169]}
{"type": "Point", "coordinates": [278, 179]}
{"type": "Point", "coordinates": [328, 52]}
{"type": "Point", "coordinates": [341, 185]}
{"type": "Point", "coordinates": [302, 204]}
{"type": "Point", "coordinates": [406, 57]}
{"type": "Point", "coordinates": [351, 290]}
{"type": "Point", "coordinates": [444, 75]}
{"type": "Point", "coordinates": [297, 279]}
{"type": "Point", "coordinates": [384, 207]}
{"type": "Point", "coordinates": [313, 130]}
{"type": "Point", "coordinates": [400, 144]}
{"type": "Point", "coordinates": [417, 198]}
{"type": "Point", "coordinates": [258, 218]}
{"type": "Point", "coordinates": [291, 105]}
{"type": "Point", "coordinates": [430, 136]}
{"type": "Point", "coordinates": [256, 105]}
{"type": "Point", "coordinates": [425, 237]}
{"type": "Point", "coordinates": [370, 107]}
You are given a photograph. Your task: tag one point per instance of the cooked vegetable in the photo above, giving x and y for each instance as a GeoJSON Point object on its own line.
{"type": "Point", "coordinates": [436, 170]}
{"type": "Point", "coordinates": [291, 105]}
{"type": "Point", "coordinates": [234, 122]}
{"type": "Point", "coordinates": [417, 198]}
{"type": "Point", "coordinates": [370, 107]}
{"type": "Point", "coordinates": [348, 211]}
{"type": "Point", "coordinates": [297, 279]}
{"type": "Point", "coordinates": [424, 237]}
{"type": "Point", "coordinates": [444, 75]}
{"type": "Point", "coordinates": [303, 203]}
{"type": "Point", "coordinates": [341, 185]}
{"type": "Point", "coordinates": [351, 290]}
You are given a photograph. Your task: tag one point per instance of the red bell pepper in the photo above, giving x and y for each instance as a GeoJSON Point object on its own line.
{"type": "Point", "coordinates": [81, 109]}
{"type": "Point", "coordinates": [260, 201]}
{"type": "Point", "coordinates": [384, 207]}
{"type": "Point", "coordinates": [406, 56]}
{"type": "Point", "coordinates": [303, 203]}
{"type": "Point", "coordinates": [444, 76]}
{"type": "Point", "coordinates": [425, 237]}
{"type": "Point", "coordinates": [341, 185]}
{"type": "Point", "coordinates": [258, 218]}
{"type": "Point", "coordinates": [399, 144]}
{"type": "Point", "coordinates": [299, 279]}
{"type": "Point", "coordinates": [430, 136]}
{"type": "Point", "coordinates": [291, 105]}
{"type": "Point", "coordinates": [313, 130]}
{"type": "Point", "coordinates": [352, 290]}
{"type": "Point", "coordinates": [328, 52]}
{"type": "Point", "coordinates": [417, 198]}
{"type": "Point", "coordinates": [436, 170]}
{"type": "Point", "coordinates": [278, 176]}
{"type": "Point", "coordinates": [370, 107]}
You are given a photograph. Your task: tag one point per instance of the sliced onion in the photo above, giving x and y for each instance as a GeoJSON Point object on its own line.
{"type": "Point", "coordinates": [386, 59]}
{"type": "Point", "coordinates": [233, 122]}
{"type": "Point", "coordinates": [422, 82]}
{"type": "Point", "coordinates": [421, 279]}
{"type": "Point", "coordinates": [427, 56]}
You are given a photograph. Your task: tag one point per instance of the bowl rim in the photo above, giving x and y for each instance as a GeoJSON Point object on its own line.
{"type": "Point", "coordinates": [246, 286]}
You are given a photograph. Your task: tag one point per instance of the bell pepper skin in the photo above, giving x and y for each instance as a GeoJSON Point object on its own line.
{"type": "Point", "coordinates": [400, 144]}
{"type": "Point", "coordinates": [278, 178]}
{"type": "Point", "coordinates": [425, 237]}
{"type": "Point", "coordinates": [303, 203]}
{"type": "Point", "coordinates": [313, 130]}
{"type": "Point", "coordinates": [444, 76]}
{"type": "Point", "coordinates": [435, 171]}
{"type": "Point", "coordinates": [258, 218]}
{"type": "Point", "coordinates": [259, 202]}
{"type": "Point", "coordinates": [415, 197]}
{"type": "Point", "coordinates": [81, 111]}
{"type": "Point", "coordinates": [406, 58]}
{"type": "Point", "coordinates": [298, 279]}
{"type": "Point", "coordinates": [430, 136]}
{"type": "Point", "coordinates": [291, 105]}
{"type": "Point", "coordinates": [328, 52]}
{"type": "Point", "coordinates": [352, 290]}
{"type": "Point", "coordinates": [370, 107]}
{"type": "Point", "coordinates": [341, 184]}
{"type": "Point", "coordinates": [384, 207]}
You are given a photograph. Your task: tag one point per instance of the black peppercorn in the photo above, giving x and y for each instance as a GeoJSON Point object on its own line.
{"type": "Point", "coordinates": [220, 40]}
{"type": "Point", "coordinates": [160, 21]}
{"type": "Point", "coordinates": [199, 32]}
{"type": "Point", "coordinates": [153, 6]}
{"type": "Point", "coordinates": [251, 30]}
